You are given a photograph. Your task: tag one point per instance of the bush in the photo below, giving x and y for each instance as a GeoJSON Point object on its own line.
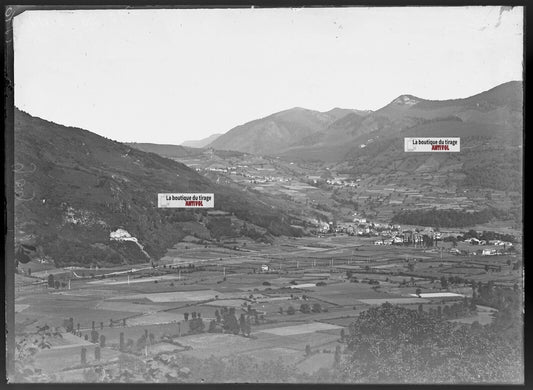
{"type": "Point", "coordinates": [304, 308]}
{"type": "Point", "coordinates": [197, 325]}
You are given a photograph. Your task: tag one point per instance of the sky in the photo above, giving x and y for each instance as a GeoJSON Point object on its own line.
{"type": "Point", "coordinates": [171, 75]}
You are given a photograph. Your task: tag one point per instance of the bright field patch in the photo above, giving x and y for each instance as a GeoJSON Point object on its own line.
{"type": "Point", "coordinates": [155, 319]}
{"type": "Point", "coordinates": [300, 329]}
{"type": "Point", "coordinates": [227, 302]}
{"type": "Point", "coordinates": [438, 295]}
{"type": "Point", "coordinates": [379, 301]}
{"type": "Point", "coordinates": [303, 285]}
{"type": "Point", "coordinates": [177, 296]}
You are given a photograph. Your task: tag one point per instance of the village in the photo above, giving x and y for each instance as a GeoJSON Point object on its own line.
{"type": "Point", "coordinates": [293, 299]}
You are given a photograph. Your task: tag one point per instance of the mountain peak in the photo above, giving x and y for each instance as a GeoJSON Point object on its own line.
{"type": "Point", "coordinates": [408, 100]}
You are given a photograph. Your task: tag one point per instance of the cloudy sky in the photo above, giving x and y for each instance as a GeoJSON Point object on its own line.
{"type": "Point", "coordinates": [166, 76]}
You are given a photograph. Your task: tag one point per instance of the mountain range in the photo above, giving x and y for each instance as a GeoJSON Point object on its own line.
{"type": "Point", "coordinates": [278, 131]}
{"type": "Point", "coordinates": [336, 134]}
{"type": "Point", "coordinates": [201, 143]}
{"type": "Point", "coordinates": [74, 187]}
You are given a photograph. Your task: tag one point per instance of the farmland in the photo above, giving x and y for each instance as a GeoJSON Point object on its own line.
{"type": "Point", "coordinates": [302, 292]}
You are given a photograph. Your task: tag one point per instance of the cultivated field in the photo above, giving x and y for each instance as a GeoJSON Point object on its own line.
{"type": "Point", "coordinates": [305, 298]}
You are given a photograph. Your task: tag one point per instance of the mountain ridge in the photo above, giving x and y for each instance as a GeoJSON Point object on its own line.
{"type": "Point", "coordinates": [74, 187]}
{"type": "Point", "coordinates": [304, 131]}
{"type": "Point", "coordinates": [202, 142]}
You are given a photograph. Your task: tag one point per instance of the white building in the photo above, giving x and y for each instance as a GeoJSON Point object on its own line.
{"type": "Point", "coordinates": [121, 235]}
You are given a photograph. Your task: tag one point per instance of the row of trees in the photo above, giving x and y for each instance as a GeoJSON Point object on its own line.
{"type": "Point", "coordinates": [304, 308]}
{"type": "Point", "coordinates": [225, 321]}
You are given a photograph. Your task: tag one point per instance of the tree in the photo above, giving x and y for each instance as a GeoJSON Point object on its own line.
{"type": "Point", "coordinates": [51, 282]}
{"type": "Point", "coordinates": [186, 316]}
{"type": "Point", "coordinates": [97, 353]}
{"type": "Point", "coordinates": [444, 282]}
{"type": "Point", "coordinates": [83, 355]}
{"type": "Point", "coordinates": [410, 347]}
{"type": "Point", "coordinates": [231, 325]}
{"type": "Point", "coordinates": [337, 355]}
{"type": "Point", "coordinates": [291, 310]}
{"type": "Point", "coordinates": [212, 327]}
{"type": "Point", "coordinates": [418, 292]}
{"type": "Point", "coordinates": [317, 308]}
{"type": "Point", "coordinates": [304, 308]}
{"type": "Point", "coordinates": [281, 310]}
{"type": "Point", "coordinates": [343, 334]}
{"type": "Point", "coordinates": [308, 350]}
{"type": "Point", "coordinates": [242, 323]}
{"type": "Point", "coordinates": [473, 306]}
{"type": "Point", "coordinates": [247, 327]}
{"type": "Point", "coordinates": [141, 342]}
{"type": "Point", "coordinates": [196, 325]}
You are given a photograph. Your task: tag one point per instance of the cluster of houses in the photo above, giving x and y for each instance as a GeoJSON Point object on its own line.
{"type": "Point", "coordinates": [240, 170]}
{"type": "Point", "coordinates": [266, 179]}
{"type": "Point", "coordinates": [397, 237]}
{"type": "Point", "coordinates": [475, 241]}
{"type": "Point", "coordinates": [338, 180]}
{"type": "Point", "coordinates": [364, 227]}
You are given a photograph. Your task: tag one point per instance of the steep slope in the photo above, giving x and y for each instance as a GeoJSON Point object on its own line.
{"type": "Point", "coordinates": [202, 142]}
{"type": "Point", "coordinates": [505, 99]}
{"type": "Point", "coordinates": [74, 187]}
{"type": "Point", "coordinates": [273, 133]}
{"type": "Point", "coordinates": [493, 113]}
{"type": "Point", "coordinates": [169, 151]}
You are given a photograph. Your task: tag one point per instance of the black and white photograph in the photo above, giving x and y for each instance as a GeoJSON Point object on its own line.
{"type": "Point", "coordinates": [265, 195]}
